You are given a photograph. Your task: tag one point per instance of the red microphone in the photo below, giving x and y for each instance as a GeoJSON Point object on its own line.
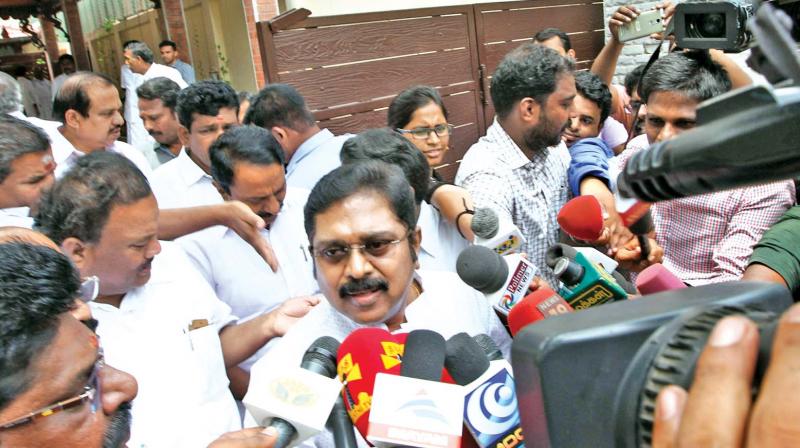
{"type": "Point", "coordinates": [656, 278]}
{"type": "Point", "coordinates": [582, 218]}
{"type": "Point", "coordinates": [362, 355]}
{"type": "Point", "coordinates": [540, 304]}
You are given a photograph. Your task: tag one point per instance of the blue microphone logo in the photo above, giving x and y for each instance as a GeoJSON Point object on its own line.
{"type": "Point", "coordinates": [491, 413]}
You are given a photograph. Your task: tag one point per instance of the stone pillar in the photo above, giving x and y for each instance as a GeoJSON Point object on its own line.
{"type": "Point", "coordinates": [75, 30]}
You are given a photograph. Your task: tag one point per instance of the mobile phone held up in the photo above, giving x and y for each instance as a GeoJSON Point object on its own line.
{"type": "Point", "coordinates": [647, 23]}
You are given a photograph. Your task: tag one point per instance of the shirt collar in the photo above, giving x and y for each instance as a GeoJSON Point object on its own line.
{"type": "Point", "coordinates": [430, 238]}
{"type": "Point", "coordinates": [190, 173]}
{"type": "Point", "coordinates": [509, 152]}
{"type": "Point", "coordinates": [307, 147]}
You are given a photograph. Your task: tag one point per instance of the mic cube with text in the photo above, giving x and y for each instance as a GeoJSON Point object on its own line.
{"type": "Point", "coordinates": [516, 287]}
{"type": "Point", "coordinates": [491, 412]}
{"type": "Point", "coordinates": [299, 396]}
{"type": "Point", "coordinates": [505, 243]}
{"type": "Point", "coordinates": [413, 412]}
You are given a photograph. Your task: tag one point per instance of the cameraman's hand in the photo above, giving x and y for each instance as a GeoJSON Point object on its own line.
{"type": "Point", "coordinates": [718, 410]}
{"type": "Point", "coordinates": [247, 438]}
{"type": "Point", "coordinates": [621, 17]}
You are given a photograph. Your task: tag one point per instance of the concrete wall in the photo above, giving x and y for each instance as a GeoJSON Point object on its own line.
{"type": "Point", "coordinates": [635, 52]}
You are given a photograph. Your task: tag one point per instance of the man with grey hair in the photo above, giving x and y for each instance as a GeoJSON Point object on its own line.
{"type": "Point", "coordinates": [139, 57]}
{"type": "Point", "coordinates": [10, 96]}
{"type": "Point", "coordinates": [140, 67]}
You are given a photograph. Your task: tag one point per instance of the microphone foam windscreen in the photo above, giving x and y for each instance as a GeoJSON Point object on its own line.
{"type": "Point", "coordinates": [582, 218]}
{"type": "Point", "coordinates": [533, 308]}
{"type": "Point", "coordinates": [465, 360]}
{"type": "Point", "coordinates": [485, 223]}
{"type": "Point", "coordinates": [656, 278]}
{"type": "Point", "coordinates": [363, 354]}
{"type": "Point", "coordinates": [489, 347]}
{"type": "Point", "coordinates": [482, 269]}
{"type": "Point", "coordinates": [423, 356]}
{"type": "Point", "coordinates": [321, 356]}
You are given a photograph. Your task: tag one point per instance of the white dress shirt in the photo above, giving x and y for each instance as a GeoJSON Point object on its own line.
{"type": "Point", "coordinates": [527, 191]}
{"type": "Point", "coordinates": [183, 398]}
{"type": "Point", "coordinates": [158, 70]}
{"type": "Point", "coordinates": [137, 135]}
{"type": "Point", "coordinates": [316, 157]}
{"type": "Point", "coordinates": [182, 183]}
{"type": "Point", "coordinates": [16, 217]}
{"type": "Point", "coordinates": [447, 305]}
{"type": "Point", "coordinates": [441, 243]}
{"type": "Point", "coordinates": [242, 279]}
{"type": "Point", "coordinates": [65, 154]}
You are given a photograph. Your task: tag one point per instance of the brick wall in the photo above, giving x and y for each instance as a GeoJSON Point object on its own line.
{"type": "Point", "coordinates": [266, 10]}
{"type": "Point", "coordinates": [176, 27]}
{"type": "Point", "coordinates": [635, 52]}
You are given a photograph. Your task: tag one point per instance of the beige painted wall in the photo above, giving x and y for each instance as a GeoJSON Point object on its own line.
{"type": "Point", "coordinates": [336, 7]}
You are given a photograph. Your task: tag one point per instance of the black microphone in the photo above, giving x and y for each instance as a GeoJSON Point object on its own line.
{"type": "Point", "coordinates": [746, 137]}
{"type": "Point", "coordinates": [641, 228]}
{"type": "Point", "coordinates": [423, 355]}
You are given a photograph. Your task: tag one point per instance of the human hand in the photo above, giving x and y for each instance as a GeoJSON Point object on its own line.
{"type": "Point", "coordinates": [289, 312]}
{"type": "Point", "coordinates": [667, 11]}
{"type": "Point", "coordinates": [629, 256]}
{"type": "Point", "coordinates": [621, 17]}
{"type": "Point", "coordinates": [247, 438]}
{"type": "Point", "coordinates": [718, 410]}
{"type": "Point", "coordinates": [239, 218]}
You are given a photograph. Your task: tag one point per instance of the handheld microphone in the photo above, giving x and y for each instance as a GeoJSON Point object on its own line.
{"type": "Point", "coordinates": [412, 411]}
{"type": "Point", "coordinates": [297, 401]}
{"type": "Point", "coordinates": [586, 284]}
{"type": "Point", "coordinates": [489, 347]}
{"type": "Point", "coordinates": [656, 278]}
{"type": "Point", "coordinates": [718, 154]}
{"type": "Point", "coordinates": [363, 354]}
{"type": "Point", "coordinates": [641, 228]}
{"type": "Point", "coordinates": [490, 406]}
{"type": "Point", "coordinates": [582, 218]}
{"type": "Point", "coordinates": [499, 235]}
{"type": "Point", "coordinates": [541, 304]}
{"type": "Point", "coordinates": [503, 279]}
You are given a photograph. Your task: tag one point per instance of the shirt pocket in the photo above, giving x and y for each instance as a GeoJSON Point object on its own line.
{"type": "Point", "coordinates": [208, 364]}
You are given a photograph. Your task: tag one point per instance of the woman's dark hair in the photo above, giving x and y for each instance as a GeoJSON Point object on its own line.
{"type": "Point", "coordinates": [408, 101]}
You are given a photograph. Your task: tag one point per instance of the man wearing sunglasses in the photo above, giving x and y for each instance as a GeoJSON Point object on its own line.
{"type": "Point", "coordinates": [361, 222]}
{"type": "Point", "coordinates": [311, 152]}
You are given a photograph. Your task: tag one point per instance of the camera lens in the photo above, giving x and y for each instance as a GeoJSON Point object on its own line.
{"type": "Point", "coordinates": [710, 25]}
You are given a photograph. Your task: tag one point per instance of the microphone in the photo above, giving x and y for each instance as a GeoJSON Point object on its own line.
{"type": "Point", "coordinates": [641, 228]}
{"type": "Point", "coordinates": [718, 154]}
{"type": "Point", "coordinates": [541, 304]}
{"type": "Point", "coordinates": [656, 278]}
{"type": "Point", "coordinates": [582, 218]}
{"type": "Point", "coordinates": [297, 401]}
{"type": "Point", "coordinates": [412, 410]}
{"type": "Point", "coordinates": [503, 279]}
{"type": "Point", "coordinates": [489, 347]}
{"type": "Point", "coordinates": [585, 284]}
{"type": "Point", "coordinates": [363, 354]}
{"type": "Point", "coordinates": [491, 413]}
{"type": "Point", "coordinates": [499, 235]}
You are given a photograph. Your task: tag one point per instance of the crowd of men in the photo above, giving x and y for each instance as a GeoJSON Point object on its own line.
{"type": "Point", "coordinates": [219, 242]}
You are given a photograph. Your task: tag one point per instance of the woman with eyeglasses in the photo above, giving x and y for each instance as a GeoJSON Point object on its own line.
{"type": "Point", "coordinates": [419, 114]}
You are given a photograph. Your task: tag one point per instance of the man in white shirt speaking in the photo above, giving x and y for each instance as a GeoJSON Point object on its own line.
{"type": "Point", "coordinates": [158, 319]}
{"type": "Point", "coordinates": [247, 165]}
{"type": "Point", "coordinates": [362, 224]}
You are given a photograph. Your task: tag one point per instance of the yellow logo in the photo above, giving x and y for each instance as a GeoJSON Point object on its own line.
{"type": "Point", "coordinates": [293, 392]}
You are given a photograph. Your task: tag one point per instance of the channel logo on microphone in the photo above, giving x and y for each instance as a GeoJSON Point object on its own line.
{"type": "Point", "coordinates": [491, 413]}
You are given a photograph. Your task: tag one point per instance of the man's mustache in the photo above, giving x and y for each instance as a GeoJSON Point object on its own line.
{"type": "Point", "coordinates": [360, 285]}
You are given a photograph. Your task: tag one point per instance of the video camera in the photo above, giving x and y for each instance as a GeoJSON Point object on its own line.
{"type": "Point", "coordinates": [722, 24]}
